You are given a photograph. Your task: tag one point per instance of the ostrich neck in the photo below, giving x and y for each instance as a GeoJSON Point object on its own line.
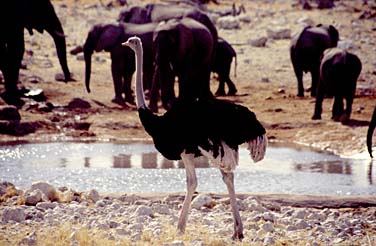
{"type": "Point", "coordinates": [140, 98]}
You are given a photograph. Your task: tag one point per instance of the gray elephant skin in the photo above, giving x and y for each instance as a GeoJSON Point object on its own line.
{"type": "Point", "coordinates": [339, 72]}
{"type": "Point", "coordinates": [306, 50]}
{"type": "Point", "coordinates": [155, 12]}
{"type": "Point", "coordinates": [183, 47]}
{"type": "Point", "coordinates": [222, 65]}
{"type": "Point", "coordinates": [109, 37]}
{"type": "Point", "coordinates": [14, 17]}
{"type": "Point", "coordinates": [370, 131]}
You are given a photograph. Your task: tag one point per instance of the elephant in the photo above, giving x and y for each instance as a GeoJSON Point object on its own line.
{"type": "Point", "coordinates": [154, 12]}
{"type": "Point", "coordinates": [339, 72]}
{"type": "Point", "coordinates": [108, 37]}
{"type": "Point", "coordinates": [306, 49]}
{"type": "Point", "coordinates": [370, 131]}
{"type": "Point", "coordinates": [30, 14]}
{"type": "Point", "coordinates": [183, 48]}
{"type": "Point", "coordinates": [222, 66]}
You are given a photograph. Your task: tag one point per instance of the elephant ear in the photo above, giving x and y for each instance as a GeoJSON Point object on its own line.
{"type": "Point", "coordinates": [334, 35]}
{"type": "Point", "coordinates": [109, 37]}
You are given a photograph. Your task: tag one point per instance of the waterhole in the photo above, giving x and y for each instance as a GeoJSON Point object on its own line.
{"type": "Point", "coordinates": [138, 167]}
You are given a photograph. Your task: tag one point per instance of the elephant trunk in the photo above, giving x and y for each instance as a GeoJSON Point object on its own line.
{"type": "Point", "coordinates": [57, 33]}
{"type": "Point", "coordinates": [88, 51]}
{"type": "Point", "coordinates": [371, 128]}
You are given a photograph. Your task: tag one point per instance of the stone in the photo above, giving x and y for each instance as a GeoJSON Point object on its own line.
{"type": "Point", "coordinates": [93, 195]}
{"type": "Point", "coordinates": [48, 190]}
{"type": "Point", "coordinates": [177, 243]}
{"type": "Point", "coordinates": [278, 33]}
{"type": "Point", "coordinates": [13, 214]}
{"type": "Point", "coordinates": [144, 210]}
{"type": "Point", "coordinates": [228, 22]}
{"type": "Point", "coordinates": [9, 112]}
{"type": "Point", "coordinates": [258, 42]}
{"type": "Point", "coordinates": [202, 200]}
{"type": "Point", "coordinates": [46, 205]}
{"type": "Point", "coordinates": [78, 103]}
{"type": "Point", "coordinates": [32, 197]}
{"type": "Point", "coordinates": [268, 227]}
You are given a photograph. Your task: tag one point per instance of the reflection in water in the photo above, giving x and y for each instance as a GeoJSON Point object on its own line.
{"type": "Point", "coordinates": [370, 178]}
{"type": "Point", "coordinates": [149, 160]}
{"type": "Point", "coordinates": [339, 167]}
{"type": "Point", "coordinates": [122, 161]}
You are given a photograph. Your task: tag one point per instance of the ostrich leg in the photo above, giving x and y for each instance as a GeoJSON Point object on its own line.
{"type": "Point", "coordinates": [228, 178]}
{"type": "Point", "coordinates": [191, 187]}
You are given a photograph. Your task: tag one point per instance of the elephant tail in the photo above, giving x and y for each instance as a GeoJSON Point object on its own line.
{"type": "Point", "coordinates": [236, 65]}
{"type": "Point", "coordinates": [87, 56]}
{"type": "Point", "coordinates": [371, 128]}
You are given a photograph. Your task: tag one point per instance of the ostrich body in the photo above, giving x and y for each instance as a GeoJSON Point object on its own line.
{"type": "Point", "coordinates": [209, 127]}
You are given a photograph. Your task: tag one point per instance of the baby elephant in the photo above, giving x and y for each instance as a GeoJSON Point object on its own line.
{"type": "Point", "coordinates": [222, 66]}
{"type": "Point", "coordinates": [339, 71]}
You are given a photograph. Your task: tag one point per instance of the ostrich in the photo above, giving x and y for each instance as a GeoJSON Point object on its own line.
{"type": "Point", "coordinates": [201, 127]}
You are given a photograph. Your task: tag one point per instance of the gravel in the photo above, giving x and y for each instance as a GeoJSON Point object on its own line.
{"type": "Point", "coordinates": [129, 217]}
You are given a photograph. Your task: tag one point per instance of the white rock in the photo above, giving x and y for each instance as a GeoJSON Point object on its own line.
{"type": "Point", "coordinates": [177, 243]}
{"type": "Point", "coordinates": [32, 197]}
{"type": "Point", "coordinates": [300, 214]}
{"type": "Point", "coordinates": [301, 224]}
{"type": "Point", "coordinates": [202, 200]}
{"type": "Point", "coordinates": [93, 195]}
{"type": "Point", "coordinates": [228, 22]}
{"type": "Point", "coordinates": [268, 227]}
{"type": "Point", "coordinates": [48, 190]}
{"type": "Point", "coordinates": [269, 240]}
{"type": "Point", "coordinates": [14, 214]}
{"type": "Point", "coordinates": [244, 18]}
{"type": "Point", "coordinates": [267, 216]}
{"type": "Point", "coordinates": [161, 209]}
{"type": "Point", "coordinates": [279, 33]}
{"type": "Point", "coordinates": [143, 210]}
{"type": "Point", "coordinates": [258, 42]}
{"type": "Point", "coordinates": [46, 205]}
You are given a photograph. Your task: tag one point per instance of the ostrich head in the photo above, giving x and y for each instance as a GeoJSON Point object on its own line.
{"type": "Point", "coordinates": [134, 43]}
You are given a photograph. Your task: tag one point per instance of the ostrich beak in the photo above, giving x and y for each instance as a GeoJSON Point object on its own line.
{"type": "Point", "coordinates": [125, 43]}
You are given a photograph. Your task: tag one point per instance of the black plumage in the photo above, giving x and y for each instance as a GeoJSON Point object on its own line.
{"type": "Point", "coordinates": [200, 122]}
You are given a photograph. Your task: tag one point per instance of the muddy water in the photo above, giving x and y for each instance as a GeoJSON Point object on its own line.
{"type": "Point", "coordinates": [137, 167]}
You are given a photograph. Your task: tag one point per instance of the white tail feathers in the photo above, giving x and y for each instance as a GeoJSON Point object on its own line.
{"type": "Point", "coordinates": [257, 148]}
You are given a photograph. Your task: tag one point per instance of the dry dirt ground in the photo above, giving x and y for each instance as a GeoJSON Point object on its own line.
{"type": "Point", "coordinates": [265, 79]}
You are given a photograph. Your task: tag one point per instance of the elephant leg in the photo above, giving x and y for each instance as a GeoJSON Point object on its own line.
{"type": "Point", "coordinates": [299, 77]}
{"type": "Point", "coordinates": [349, 102]}
{"type": "Point", "coordinates": [154, 90]}
{"type": "Point", "coordinates": [319, 100]}
{"type": "Point", "coordinates": [337, 109]}
{"type": "Point", "coordinates": [117, 66]}
{"type": "Point", "coordinates": [315, 75]}
{"type": "Point", "coordinates": [127, 88]}
{"type": "Point", "coordinates": [167, 91]}
{"type": "Point", "coordinates": [221, 87]}
{"type": "Point", "coordinates": [12, 63]}
{"type": "Point", "coordinates": [231, 86]}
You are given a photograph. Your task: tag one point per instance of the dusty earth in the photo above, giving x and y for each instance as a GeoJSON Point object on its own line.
{"type": "Point", "coordinates": [265, 79]}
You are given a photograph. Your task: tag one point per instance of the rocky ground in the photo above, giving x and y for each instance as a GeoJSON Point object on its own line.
{"type": "Point", "coordinates": [266, 84]}
{"type": "Point", "coordinates": [51, 216]}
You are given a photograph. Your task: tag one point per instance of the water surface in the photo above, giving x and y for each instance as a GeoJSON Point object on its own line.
{"type": "Point", "coordinates": [138, 167]}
